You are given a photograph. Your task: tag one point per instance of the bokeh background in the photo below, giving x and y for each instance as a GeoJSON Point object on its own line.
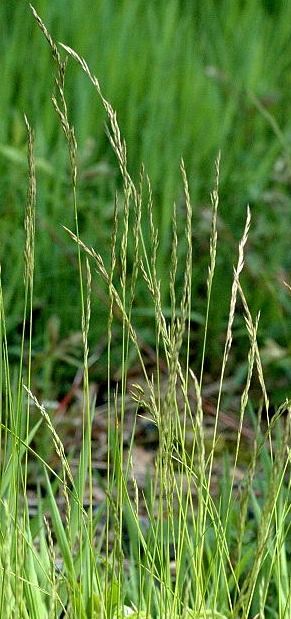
{"type": "Point", "coordinates": [187, 78]}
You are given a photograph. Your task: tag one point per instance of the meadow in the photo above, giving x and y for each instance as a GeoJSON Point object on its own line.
{"type": "Point", "coordinates": [145, 355]}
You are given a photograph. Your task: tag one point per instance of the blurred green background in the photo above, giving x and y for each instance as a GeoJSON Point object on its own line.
{"type": "Point", "coordinates": [187, 78]}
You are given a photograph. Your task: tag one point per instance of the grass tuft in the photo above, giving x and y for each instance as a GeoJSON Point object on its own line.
{"type": "Point", "coordinates": [206, 535]}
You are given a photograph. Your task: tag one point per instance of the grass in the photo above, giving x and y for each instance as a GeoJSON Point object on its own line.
{"type": "Point", "coordinates": [185, 545]}
{"type": "Point", "coordinates": [226, 87]}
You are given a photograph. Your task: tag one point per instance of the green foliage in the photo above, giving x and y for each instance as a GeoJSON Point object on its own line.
{"type": "Point", "coordinates": [188, 79]}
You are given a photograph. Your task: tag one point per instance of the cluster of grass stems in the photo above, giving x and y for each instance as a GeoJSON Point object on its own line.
{"type": "Point", "coordinates": [226, 83]}
{"type": "Point", "coordinates": [199, 555]}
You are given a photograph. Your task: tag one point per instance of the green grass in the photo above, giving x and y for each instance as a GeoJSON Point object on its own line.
{"type": "Point", "coordinates": [186, 545]}
{"type": "Point", "coordinates": [187, 79]}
